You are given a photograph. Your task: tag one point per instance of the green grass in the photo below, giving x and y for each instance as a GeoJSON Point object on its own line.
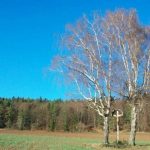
{"type": "Point", "coordinates": [45, 142]}
{"type": "Point", "coordinates": [32, 142]}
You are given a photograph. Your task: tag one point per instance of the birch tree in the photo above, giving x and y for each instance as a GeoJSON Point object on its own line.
{"type": "Point", "coordinates": [88, 60]}
{"type": "Point", "coordinates": [132, 43]}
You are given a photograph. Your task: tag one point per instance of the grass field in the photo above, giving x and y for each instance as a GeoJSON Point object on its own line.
{"type": "Point", "coordinates": [42, 140]}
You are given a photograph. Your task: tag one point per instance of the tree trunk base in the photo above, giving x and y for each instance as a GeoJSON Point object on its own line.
{"type": "Point", "coordinates": [106, 131]}
{"type": "Point", "coordinates": [133, 126]}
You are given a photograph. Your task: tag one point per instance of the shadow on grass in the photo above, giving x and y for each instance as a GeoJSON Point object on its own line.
{"type": "Point", "coordinates": [148, 144]}
{"type": "Point", "coordinates": [121, 145]}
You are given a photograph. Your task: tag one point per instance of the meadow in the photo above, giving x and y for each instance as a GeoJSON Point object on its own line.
{"type": "Point", "coordinates": [43, 140]}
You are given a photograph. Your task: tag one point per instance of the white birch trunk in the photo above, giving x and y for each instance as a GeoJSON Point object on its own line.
{"type": "Point", "coordinates": [106, 131]}
{"type": "Point", "coordinates": [133, 126]}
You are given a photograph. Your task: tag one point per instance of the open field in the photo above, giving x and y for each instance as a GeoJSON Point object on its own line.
{"type": "Point", "coordinates": [43, 140]}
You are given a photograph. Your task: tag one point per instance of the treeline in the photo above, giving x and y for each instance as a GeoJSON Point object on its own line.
{"type": "Point", "coordinates": [72, 115]}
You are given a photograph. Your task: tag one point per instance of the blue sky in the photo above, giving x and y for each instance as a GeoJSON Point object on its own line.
{"type": "Point", "coordinates": [29, 34]}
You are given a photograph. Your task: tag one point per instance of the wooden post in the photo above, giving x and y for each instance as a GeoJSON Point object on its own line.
{"type": "Point", "coordinates": [117, 113]}
{"type": "Point", "coordinates": [117, 126]}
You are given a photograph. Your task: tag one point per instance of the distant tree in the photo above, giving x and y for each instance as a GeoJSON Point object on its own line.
{"type": "Point", "coordinates": [41, 115]}
{"type": "Point", "coordinates": [53, 116]}
{"type": "Point", "coordinates": [127, 116]}
{"type": "Point", "coordinates": [20, 120]}
{"type": "Point", "coordinates": [65, 121]}
{"type": "Point", "coordinates": [27, 119]}
{"type": "Point", "coordinates": [2, 123]}
{"type": "Point", "coordinates": [10, 116]}
{"type": "Point", "coordinates": [143, 118]}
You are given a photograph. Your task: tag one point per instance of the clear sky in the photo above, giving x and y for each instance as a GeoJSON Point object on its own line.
{"type": "Point", "coordinates": [29, 31]}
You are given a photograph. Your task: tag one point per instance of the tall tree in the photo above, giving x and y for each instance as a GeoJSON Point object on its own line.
{"type": "Point", "coordinates": [131, 41]}
{"type": "Point", "coordinates": [89, 63]}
